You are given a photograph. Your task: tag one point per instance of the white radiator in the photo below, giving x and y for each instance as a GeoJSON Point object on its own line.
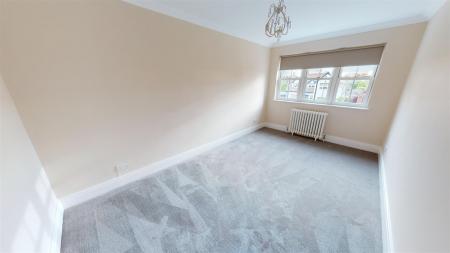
{"type": "Point", "coordinates": [307, 123]}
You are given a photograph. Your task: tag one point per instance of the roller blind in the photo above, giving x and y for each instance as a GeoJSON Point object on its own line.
{"type": "Point", "coordinates": [343, 57]}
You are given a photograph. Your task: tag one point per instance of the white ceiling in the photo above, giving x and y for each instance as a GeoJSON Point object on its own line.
{"type": "Point", "coordinates": [311, 19]}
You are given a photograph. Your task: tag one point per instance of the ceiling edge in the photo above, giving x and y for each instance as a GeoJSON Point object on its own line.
{"type": "Point", "coordinates": [193, 20]}
{"type": "Point", "coordinates": [355, 30]}
{"type": "Point", "coordinates": [347, 32]}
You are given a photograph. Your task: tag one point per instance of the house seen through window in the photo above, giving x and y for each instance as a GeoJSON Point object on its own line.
{"type": "Point", "coordinates": [342, 84]}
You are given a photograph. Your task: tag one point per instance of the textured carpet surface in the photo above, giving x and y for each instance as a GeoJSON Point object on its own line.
{"type": "Point", "coordinates": [265, 192]}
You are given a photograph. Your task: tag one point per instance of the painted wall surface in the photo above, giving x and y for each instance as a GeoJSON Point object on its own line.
{"type": "Point", "coordinates": [31, 216]}
{"type": "Point", "coordinates": [100, 83]}
{"type": "Point", "coordinates": [417, 151]}
{"type": "Point", "coordinates": [367, 126]}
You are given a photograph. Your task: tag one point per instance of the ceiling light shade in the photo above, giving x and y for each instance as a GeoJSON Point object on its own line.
{"type": "Point", "coordinates": [279, 22]}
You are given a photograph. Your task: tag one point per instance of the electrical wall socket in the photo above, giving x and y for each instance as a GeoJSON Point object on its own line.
{"type": "Point", "coordinates": [121, 168]}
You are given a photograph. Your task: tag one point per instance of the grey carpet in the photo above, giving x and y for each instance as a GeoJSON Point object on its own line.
{"type": "Point", "coordinates": [265, 192]}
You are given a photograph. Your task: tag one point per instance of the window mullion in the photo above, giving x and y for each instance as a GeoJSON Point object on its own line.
{"type": "Point", "coordinates": [351, 91]}
{"type": "Point", "coordinates": [302, 86]}
{"type": "Point", "coordinates": [315, 90]}
{"type": "Point", "coordinates": [333, 85]}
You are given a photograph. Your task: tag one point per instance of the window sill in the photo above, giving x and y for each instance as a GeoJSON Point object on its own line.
{"type": "Point", "coordinates": [328, 105]}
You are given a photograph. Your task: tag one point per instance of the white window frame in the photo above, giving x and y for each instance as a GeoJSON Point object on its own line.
{"type": "Point", "coordinates": [331, 95]}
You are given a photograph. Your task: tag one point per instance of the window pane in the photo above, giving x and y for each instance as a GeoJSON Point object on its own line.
{"type": "Point", "coordinates": [288, 89]}
{"type": "Point", "coordinates": [313, 73]}
{"type": "Point", "coordinates": [292, 73]}
{"type": "Point", "coordinates": [344, 91]}
{"type": "Point", "coordinates": [282, 95]}
{"type": "Point", "coordinates": [349, 72]}
{"type": "Point", "coordinates": [292, 96]}
{"type": "Point", "coordinates": [359, 91]}
{"type": "Point", "coordinates": [352, 84]}
{"type": "Point", "coordinates": [310, 89]}
{"type": "Point", "coordinates": [326, 73]}
{"type": "Point", "coordinates": [320, 73]}
{"type": "Point", "coordinates": [293, 85]}
{"type": "Point", "coordinates": [354, 92]}
{"type": "Point", "coordinates": [284, 85]}
{"type": "Point", "coordinates": [366, 71]}
{"type": "Point", "coordinates": [322, 90]}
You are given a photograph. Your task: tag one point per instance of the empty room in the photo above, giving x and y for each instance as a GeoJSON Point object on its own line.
{"type": "Point", "coordinates": [225, 126]}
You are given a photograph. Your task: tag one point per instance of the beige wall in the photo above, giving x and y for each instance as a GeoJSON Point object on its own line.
{"type": "Point", "coordinates": [28, 206]}
{"type": "Point", "coordinates": [99, 83]}
{"type": "Point", "coordinates": [368, 126]}
{"type": "Point", "coordinates": [417, 151]}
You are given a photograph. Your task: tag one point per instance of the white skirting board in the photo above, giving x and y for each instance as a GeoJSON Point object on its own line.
{"type": "Point", "coordinates": [278, 127]}
{"type": "Point", "coordinates": [55, 212]}
{"type": "Point", "coordinates": [385, 210]}
{"type": "Point", "coordinates": [58, 225]}
{"type": "Point", "coordinates": [334, 139]}
{"type": "Point", "coordinates": [114, 183]}
{"type": "Point", "coordinates": [353, 144]}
